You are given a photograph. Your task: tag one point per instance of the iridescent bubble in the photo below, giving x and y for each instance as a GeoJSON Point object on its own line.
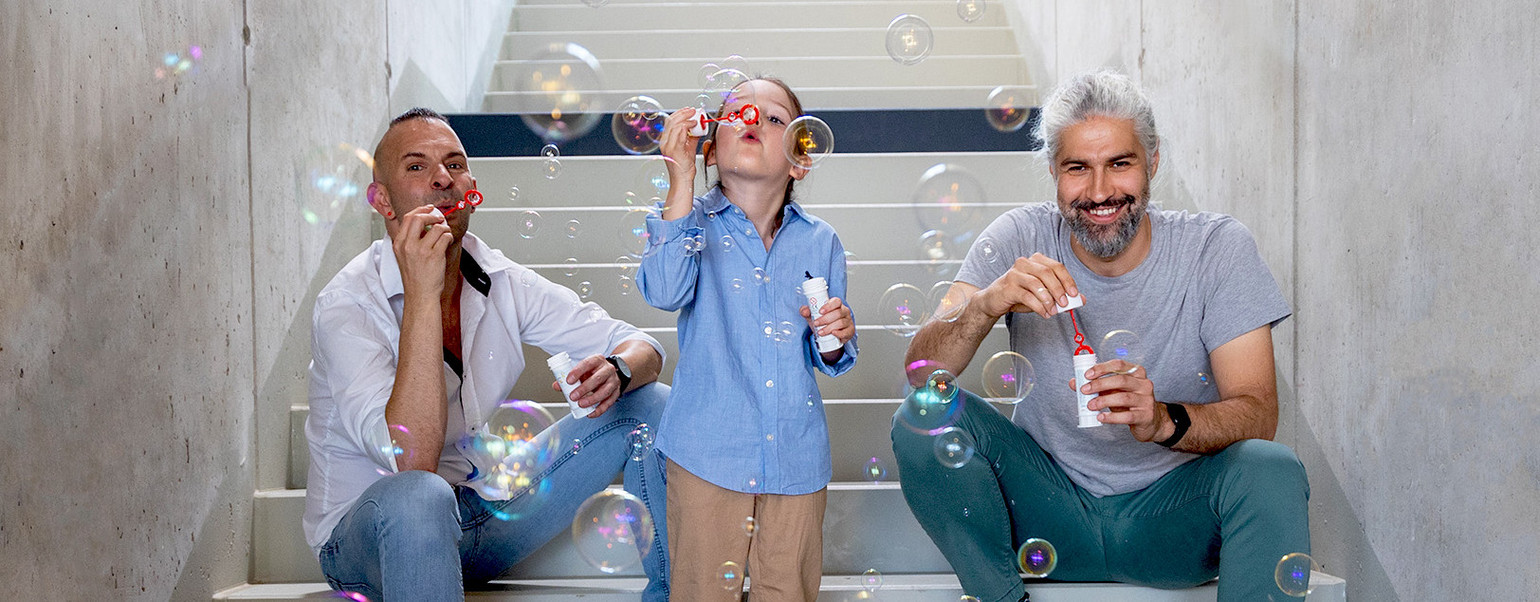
{"type": "Point", "coordinates": [527, 278]}
{"type": "Point", "coordinates": [736, 285]}
{"type": "Point", "coordinates": [551, 169]}
{"type": "Point", "coordinates": [875, 470]}
{"type": "Point", "coordinates": [970, 10]}
{"type": "Point", "coordinates": [932, 407]}
{"type": "Point", "coordinates": [638, 125]}
{"type": "Point", "coordinates": [909, 39]}
{"type": "Point", "coordinates": [1293, 574]}
{"type": "Point", "coordinates": [949, 302]}
{"type": "Point", "coordinates": [1036, 557]}
{"type": "Point", "coordinates": [175, 64]}
{"type": "Point", "coordinates": [727, 242]}
{"type": "Point", "coordinates": [513, 194]}
{"type": "Point", "coordinates": [761, 277]}
{"type": "Point", "coordinates": [550, 151]}
{"type": "Point", "coordinates": [1008, 377]}
{"type": "Point", "coordinates": [934, 247]}
{"type": "Point", "coordinates": [871, 580]}
{"type": "Point", "coordinates": [699, 243]}
{"type": "Point", "coordinates": [731, 576]}
{"type": "Point", "coordinates": [724, 92]}
{"type": "Point", "coordinates": [577, 446]}
{"type": "Point", "coordinates": [585, 289]}
{"type": "Point", "coordinates": [808, 141]}
{"type": "Point", "coordinates": [953, 447]}
{"type": "Point", "coordinates": [333, 181]}
{"type": "Point", "coordinates": [902, 309]}
{"type": "Point", "coordinates": [596, 3]}
{"type": "Point", "coordinates": [574, 228]}
{"type": "Point", "coordinates": [612, 530]}
{"type": "Point", "coordinates": [633, 232]}
{"type": "Point", "coordinates": [354, 596]}
{"type": "Point", "coordinates": [652, 179]}
{"type": "Point", "coordinates": [750, 526]}
{"type": "Point", "coordinates": [1204, 379]}
{"type": "Point", "coordinates": [967, 598]}
{"type": "Point", "coordinates": [706, 71]}
{"type": "Point", "coordinates": [948, 198]}
{"type": "Point", "coordinates": [736, 62]}
{"type": "Point", "coordinates": [1009, 107]}
{"type": "Point", "coordinates": [785, 332]}
{"type": "Point", "coordinates": [641, 441]}
{"type": "Point", "coordinates": [558, 90]}
{"type": "Point", "coordinates": [509, 453]}
{"type": "Point", "coordinates": [625, 285]}
{"type": "Point", "coordinates": [987, 250]}
{"type": "Point", "coordinates": [569, 268]}
{"type": "Point", "coordinates": [529, 224]}
{"type": "Point", "coordinates": [1122, 345]}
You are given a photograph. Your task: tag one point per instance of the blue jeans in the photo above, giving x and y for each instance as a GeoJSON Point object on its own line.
{"type": "Point", "coordinates": [413, 536]}
{"type": "Point", "coordinates": [1232, 514]}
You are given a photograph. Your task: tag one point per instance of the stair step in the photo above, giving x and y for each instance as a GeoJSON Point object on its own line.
{"type": "Point", "coordinates": [871, 40]}
{"type": "Point", "coordinates": [645, 75]}
{"type": "Point", "coordinates": [915, 95]}
{"type": "Point", "coordinates": [574, 16]}
{"type": "Point", "coordinates": [938, 587]}
{"type": "Point", "coordinates": [855, 512]}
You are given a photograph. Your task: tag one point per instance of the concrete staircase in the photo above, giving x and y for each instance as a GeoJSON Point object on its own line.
{"type": "Point", "coordinates": [832, 53]}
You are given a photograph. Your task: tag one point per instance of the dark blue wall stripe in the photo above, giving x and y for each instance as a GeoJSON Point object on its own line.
{"type": "Point", "coordinates": [855, 131]}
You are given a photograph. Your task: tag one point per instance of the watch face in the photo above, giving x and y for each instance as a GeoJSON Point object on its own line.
{"type": "Point", "coordinates": [620, 366]}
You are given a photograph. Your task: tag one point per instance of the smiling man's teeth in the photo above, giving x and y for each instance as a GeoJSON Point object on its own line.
{"type": "Point", "coordinates": [1104, 211]}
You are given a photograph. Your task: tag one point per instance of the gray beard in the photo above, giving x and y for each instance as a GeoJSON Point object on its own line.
{"type": "Point", "coordinates": [1110, 240]}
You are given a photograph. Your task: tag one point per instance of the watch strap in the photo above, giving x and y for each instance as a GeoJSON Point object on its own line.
{"type": "Point", "coordinates": [1179, 417]}
{"type": "Point", "coordinates": [622, 370]}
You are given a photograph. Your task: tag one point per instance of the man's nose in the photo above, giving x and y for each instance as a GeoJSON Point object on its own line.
{"type": "Point", "coordinates": [442, 179]}
{"type": "Point", "coordinates": [1101, 186]}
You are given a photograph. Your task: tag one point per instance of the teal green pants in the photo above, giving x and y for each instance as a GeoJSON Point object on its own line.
{"type": "Point", "coordinates": [1233, 514]}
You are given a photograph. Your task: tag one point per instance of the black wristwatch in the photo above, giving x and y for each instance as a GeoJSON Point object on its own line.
{"type": "Point", "coordinates": [622, 369]}
{"type": "Point", "coordinates": [1179, 417]}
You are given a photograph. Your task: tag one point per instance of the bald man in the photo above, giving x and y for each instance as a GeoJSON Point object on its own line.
{"type": "Point", "coordinates": [416, 342]}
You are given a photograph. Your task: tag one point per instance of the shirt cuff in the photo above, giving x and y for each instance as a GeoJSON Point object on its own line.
{"type": "Point", "coordinates": [661, 231]}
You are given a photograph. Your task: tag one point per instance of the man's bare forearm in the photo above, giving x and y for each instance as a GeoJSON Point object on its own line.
{"type": "Point", "coordinates": [417, 401]}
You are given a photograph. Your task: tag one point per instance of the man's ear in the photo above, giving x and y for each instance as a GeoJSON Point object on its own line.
{"type": "Point", "coordinates": [1154, 164]}
{"type": "Point", "coordinates": [379, 199]}
{"type": "Point", "coordinates": [708, 149]}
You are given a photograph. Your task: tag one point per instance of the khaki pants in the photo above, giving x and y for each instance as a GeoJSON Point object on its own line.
{"type": "Point", "coordinates": [706, 530]}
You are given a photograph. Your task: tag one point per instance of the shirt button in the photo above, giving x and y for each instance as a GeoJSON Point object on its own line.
{"type": "Point", "coordinates": [769, 437]}
{"type": "Point", "coordinates": [748, 232]}
{"type": "Point", "coordinates": [769, 383]}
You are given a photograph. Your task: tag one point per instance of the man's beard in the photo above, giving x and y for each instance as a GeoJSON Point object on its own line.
{"type": "Point", "coordinates": [1106, 241]}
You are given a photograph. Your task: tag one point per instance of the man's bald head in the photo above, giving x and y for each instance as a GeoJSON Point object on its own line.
{"type": "Point", "coordinates": [411, 114]}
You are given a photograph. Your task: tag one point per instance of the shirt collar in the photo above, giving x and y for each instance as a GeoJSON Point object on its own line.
{"type": "Point", "coordinates": [477, 264]}
{"type": "Point", "coordinates": [716, 202]}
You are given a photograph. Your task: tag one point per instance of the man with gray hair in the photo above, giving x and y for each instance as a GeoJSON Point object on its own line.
{"type": "Point", "coordinates": [1178, 481]}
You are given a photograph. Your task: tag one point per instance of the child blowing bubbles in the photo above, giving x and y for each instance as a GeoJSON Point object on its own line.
{"type": "Point", "coordinates": [744, 429]}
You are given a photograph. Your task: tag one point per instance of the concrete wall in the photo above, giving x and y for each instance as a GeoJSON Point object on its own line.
{"type": "Point", "coordinates": [1383, 157]}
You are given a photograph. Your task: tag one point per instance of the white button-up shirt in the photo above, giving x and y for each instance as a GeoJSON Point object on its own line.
{"type": "Point", "coordinates": [356, 345]}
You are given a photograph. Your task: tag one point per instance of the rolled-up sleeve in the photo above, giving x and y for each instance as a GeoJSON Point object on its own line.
{"type": "Point", "coordinates": [553, 318]}
{"type": "Point", "coordinates": [669, 271]}
{"type": "Point", "coordinates": [353, 370]}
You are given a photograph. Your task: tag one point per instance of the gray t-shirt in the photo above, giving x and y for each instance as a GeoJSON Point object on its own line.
{"type": "Point", "coordinates": [1202, 285]}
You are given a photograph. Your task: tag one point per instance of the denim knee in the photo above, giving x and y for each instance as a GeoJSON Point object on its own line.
{"type": "Point", "coordinates": [418, 504]}
{"type": "Point", "coordinates": [646, 402]}
{"type": "Point", "coordinates": [1260, 463]}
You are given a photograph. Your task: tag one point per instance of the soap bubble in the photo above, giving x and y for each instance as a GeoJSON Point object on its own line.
{"type": "Point", "coordinates": [935, 249]}
{"type": "Point", "coordinates": [1122, 345]}
{"type": "Point", "coordinates": [509, 451]}
{"type": "Point", "coordinates": [1205, 379]}
{"type": "Point", "coordinates": [706, 71]}
{"type": "Point", "coordinates": [750, 526]}
{"type": "Point", "coordinates": [932, 407]}
{"type": "Point", "coordinates": [967, 598]}
{"type": "Point", "coordinates": [949, 303]}
{"type": "Point", "coordinates": [1293, 574]}
{"type": "Point", "coordinates": [785, 332]}
{"type": "Point", "coordinates": [625, 284]}
{"type": "Point", "coordinates": [569, 267]}
{"type": "Point", "coordinates": [1036, 557]}
{"type": "Point", "coordinates": [1008, 377]}
{"type": "Point", "coordinates": [577, 446]}
{"type": "Point", "coordinates": [650, 181]}
{"type": "Point", "coordinates": [902, 309]}
{"type": "Point", "coordinates": [724, 91]}
{"type": "Point", "coordinates": [585, 289]}
{"type": "Point", "coordinates": [550, 151]}
{"type": "Point", "coordinates": [727, 242]}
{"type": "Point", "coordinates": [875, 470]}
{"type": "Point", "coordinates": [909, 39]}
{"type": "Point", "coordinates": [633, 232]}
{"type": "Point", "coordinates": [736, 285]}
{"type": "Point", "coordinates": [574, 228]}
{"type": "Point", "coordinates": [948, 198]}
{"type": "Point", "coordinates": [612, 530]}
{"type": "Point", "coordinates": [988, 250]}
{"type": "Point", "coordinates": [513, 194]}
{"type": "Point", "coordinates": [871, 580]}
{"type": "Point", "coordinates": [737, 62]}
{"type": "Point", "coordinates": [1009, 107]}
{"type": "Point", "coordinates": [641, 440]}
{"type": "Point", "coordinates": [731, 576]}
{"type": "Point", "coordinates": [551, 169]}
{"type": "Point", "coordinates": [333, 181]}
{"type": "Point", "coordinates": [529, 224]}
{"type": "Point", "coordinates": [808, 141]}
{"type": "Point", "coordinates": [761, 277]}
{"type": "Point", "coordinates": [638, 125]}
{"type": "Point", "coordinates": [953, 447]}
{"type": "Point", "coordinates": [558, 92]}
{"type": "Point", "coordinates": [596, 3]}
{"type": "Point", "coordinates": [970, 10]}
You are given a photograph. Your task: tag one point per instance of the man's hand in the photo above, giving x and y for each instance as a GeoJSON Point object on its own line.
{"type": "Point", "coordinates": [1033, 284]}
{"type": "Point", "coordinates": [420, 245]}
{"type": "Point", "coordinates": [1127, 392]}
{"type": "Point", "coordinates": [598, 384]}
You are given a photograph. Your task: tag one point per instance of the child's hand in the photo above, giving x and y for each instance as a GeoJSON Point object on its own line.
{"type": "Point", "coordinates": [678, 148]}
{"type": "Point", "coordinates": [834, 319]}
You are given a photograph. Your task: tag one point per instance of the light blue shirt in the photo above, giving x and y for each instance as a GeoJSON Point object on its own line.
{"type": "Point", "coordinates": [745, 413]}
